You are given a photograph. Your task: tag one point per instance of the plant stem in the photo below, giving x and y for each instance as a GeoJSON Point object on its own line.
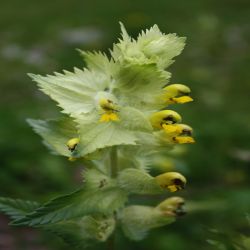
{"type": "Point", "coordinates": [113, 162]}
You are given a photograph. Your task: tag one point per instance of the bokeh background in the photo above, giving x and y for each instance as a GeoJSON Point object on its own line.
{"type": "Point", "coordinates": [41, 37]}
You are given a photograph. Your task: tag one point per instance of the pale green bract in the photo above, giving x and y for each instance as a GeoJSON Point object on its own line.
{"type": "Point", "coordinates": [107, 125]}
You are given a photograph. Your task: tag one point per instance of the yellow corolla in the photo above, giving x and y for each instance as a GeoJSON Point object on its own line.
{"type": "Point", "coordinates": [177, 93]}
{"type": "Point", "coordinates": [110, 110]}
{"type": "Point", "coordinates": [72, 144]}
{"type": "Point", "coordinates": [172, 181]}
{"type": "Point", "coordinates": [183, 135]}
{"type": "Point", "coordinates": [164, 117]}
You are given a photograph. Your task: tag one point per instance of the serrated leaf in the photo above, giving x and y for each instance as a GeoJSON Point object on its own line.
{"type": "Point", "coordinates": [55, 133]}
{"type": "Point", "coordinates": [101, 135]}
{"type": "Point", "coordinates": [97, 135]}
{"type": "Point", "coordinates": [16, 208]}
{"type": "Point", "coordinates": [159, 46]}
{"type": "Point", "coordinates": [73, 91]}
{"type": "Point", "coordinates": [140, 77]}
{"type": "Point", "coordinates": [77, 204]}
{"type": "Point", "coordinates": [99, 62]}
{"type": "Point", "coordinates": [151, 46]}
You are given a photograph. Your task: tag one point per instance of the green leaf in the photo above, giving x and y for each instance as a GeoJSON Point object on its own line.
{"type": "Point", "coordinates": [55, 133]}
{"type": "Point", "coordinates": [77, 204]}
{"type": "Point", "coordinates": [74, 92]}
{"type": "Point", "coordinates": [16, 208]}
{"type": "Point", "coordinates": [83, 232]}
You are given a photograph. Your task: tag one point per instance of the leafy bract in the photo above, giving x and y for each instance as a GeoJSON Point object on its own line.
{"type": "Point", "coordinates": [73, 91]}
{"type": "Point", "coordinates": [140, 77]}
{"type": "Point", "coordinates": [77, 204]}
{"type": "Point", "coordinates": [101, 135]}
{"type": "Point", "coordinates": [55, 133]}
{"type": "Point", "coordinates": [97, 135]}
{"type": "Point", "coordinates": [140, 86]}
{"type": "Point", "coordinates": [99, 62]}
{"type": "Point", "coordinates": [151, 46]}
{"type": "Point", "coordinates": [83, 232]}
{"type": "Point", "coordinates": [16, 208]}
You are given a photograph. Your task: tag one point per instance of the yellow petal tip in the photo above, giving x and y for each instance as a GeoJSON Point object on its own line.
{"type": "Point", "coordinates": [109, 117]}
{"type": "Point", "coordinates": [184, 139]}
{"type": "Point", "coordinates": [182, 99]}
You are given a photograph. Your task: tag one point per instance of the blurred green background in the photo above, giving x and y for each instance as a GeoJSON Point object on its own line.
{"type": "Point", "coordinates": [41, 37]}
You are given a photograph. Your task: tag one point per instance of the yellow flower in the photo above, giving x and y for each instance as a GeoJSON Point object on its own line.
{"type": "Point", "coordinates": [177, 93]}
{"type": "Point", "coordinates": [183, 139]}
{"type": "Point", "coordinates": [109, 116]}
{"type": "Point", "coordinates": [167, 117]}
{"type": "Point", "coordinates": [173, 128]}
{"type": "Point", "coordinates": [172, 181]}
{"type": "Point", "coordinates": [72, 144]}
{"type": "Point", "coordinates": [179, 133]}
{"type": "Point", "coordinates": [110, 110]}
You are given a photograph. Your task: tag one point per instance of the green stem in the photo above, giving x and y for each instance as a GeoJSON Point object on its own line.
{"type": "Point", "coordinates": [113, 162]}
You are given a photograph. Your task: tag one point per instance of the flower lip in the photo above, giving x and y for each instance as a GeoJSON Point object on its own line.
{"type": "Point", "coordinates": [173, 207]}
{"type": "Point", "coordinates": [169, 120]}
{"type": "Point", "coordinates": [179, 184]}
{"type": "Point", "coordinates": [187, 132]}
{"type": "Point", "coordinates": [180, 210]}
